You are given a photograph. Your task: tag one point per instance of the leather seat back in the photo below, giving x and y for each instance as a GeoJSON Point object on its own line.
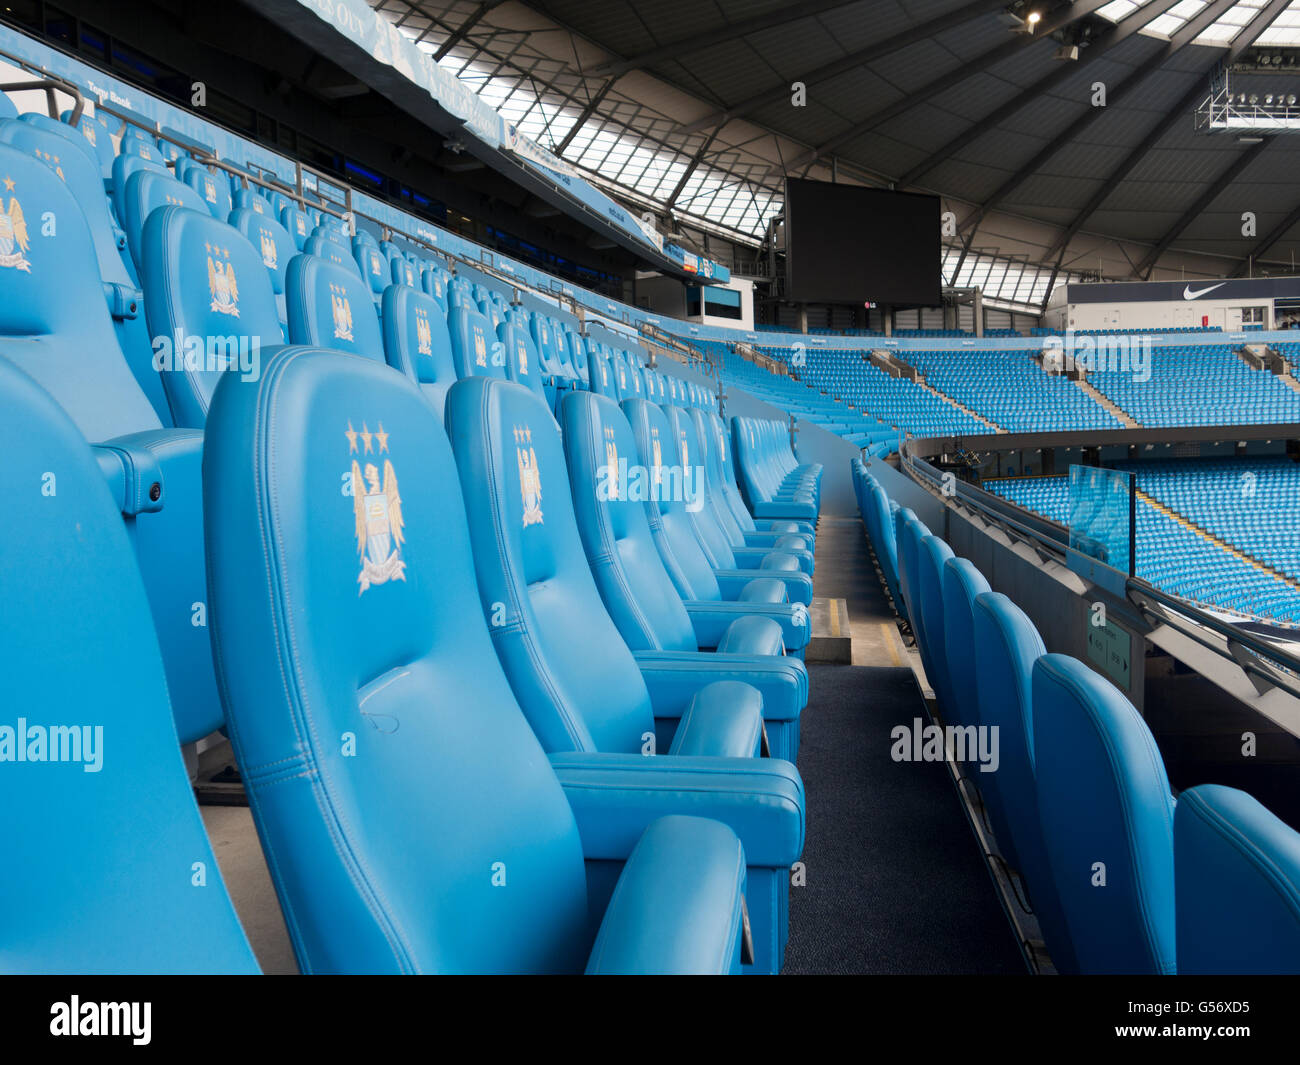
{"type": "Point", "coordinates": [692, 457]}
{"type": "Point", "coordinates": [962, 582]}
{"type": "Point", "coordinates": [1006, 647]}
{"type": "Point", "coordinates": [388, 766]}
{"type": "Point", "coordinates": [204, 280]}
{"type": "Point", "coordinates": [416, 342]}
{"type": "Point", "coordinates": [297, 224]}
{"type": "Point", "coordinates": [1237, 871]}
{"type": "Point", "coordinates": [373, 265]}
{"type": "Point", "coordinates": [571, 671]}
{"type": "Point", "coordinates": [146, 191]}
{"type": "Point", "coordinates": [665, 505]}
{"type": "Point", "coordinates": [276, 248]}
{"type": "Point", "coordinates": [102, 839]}
{"type": "Point", "coordinates": [932, 554]}
{"type": "Point", "coordinates": [98, 136]}
{"type": "Point", "coordinates": [333, 251]}
{"type": "Point", "coordinates": [214, 192]}
{"type": "Point", "coordinates": [475, 349]}
{"type": "Point", "coordinates": [330, 307]}
{"type": "Point", "coordinates": [1106, 811]}
{"type": "Point", "coordinates": [637, 591]}
{"type": "Point", "coordinates": [522, 363]}
{"type": "Point", "coordinates": [54, 322]}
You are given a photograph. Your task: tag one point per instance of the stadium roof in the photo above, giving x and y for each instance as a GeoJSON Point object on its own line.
{"type": "Point", "coordinates": [685, 106]}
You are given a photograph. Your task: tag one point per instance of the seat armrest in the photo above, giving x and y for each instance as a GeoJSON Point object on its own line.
{"type": "Point", "coordinates": [167, 533]}
{"type": "Point", "coordinates": [788, 510]}
{"type": "Point", "coordinates": [798, 585]}
{"type": "Point", "coordinates": [616, 797]}
{"type": "Point", "coordinates": [673, 678]}
{"type": "Point", "coordinates": [724, 719]}
{"type": "Point", "coordinates": [711, 620]}
{"type": "Point", "coordinates": [752, 635]}
{"type": "Point", "coordinates": [678, 907]}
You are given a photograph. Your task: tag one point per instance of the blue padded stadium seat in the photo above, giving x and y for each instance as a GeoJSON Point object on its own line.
{"type": "Point", "coordinates": [109, 849]}
{"type": "Point", "coordinates": [124, 166]}
{"type": "Point", "coordinates": [405, 272]}
{"type": "Point", "coordinates": [98, 136]}
{"type": "Point", "coordinates": [731, 493]}
{"type": "Point", "coordinates": [639, 595]}
{"type": "Point", "coordinates": [146, 192]}
{"type": "Point", "coordinates": [711, 438]}
{"type": "Point", "coordinates": [1237, 877]}
{"type": "Point", "coordinates": [276, 248]}
{"type": "Point", "coordinates": [212, 190]}
{"type": "Point", "coordinates": [712, 537]}
{"type": "Point", "coordinates": [204, 279]}
{"type": "Point", "coordinates": [474, 345]}
{"type": "Point", "coordinates": [962, 582]}
{"type": "Point", "coordinates": [932, 554]}
{"type": "Point", "coordinates": [434, 280]}
{"type": "Point", "coordinates": [674, 534]}
{"type": "Point", "coordinates": [390, 709]}
{"type": "Point", "coordinates": [333, 251]}
{"type": "Point", "coordinates": [523, 364]}
{"type": "Point", "coordinates": [1107, 815]}
{"type": "Point", "coordinates": [296, 223]}
{"type": "Point", "coordinates": [416, 342]}
{"type": "Point", "coordinates": [572, 673]}
{"type": "Point", "coordinates": [330, 307]}
{"type": "Point", "coordinates": [7, 108]}
{"type": "Point", "coordinates": [373, 265]}
{"type": "Point", "coordinates": [251, 200]}
{"type": "Point", "coordinates": [1006, 647]}
{"type": "Point", "coordinates": [80, 171]}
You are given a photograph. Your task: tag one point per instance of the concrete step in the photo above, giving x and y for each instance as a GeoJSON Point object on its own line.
{"type": "Point", "coordinates": [832, 638]}
{"type": "Point", "coordinates": [1109, 404]}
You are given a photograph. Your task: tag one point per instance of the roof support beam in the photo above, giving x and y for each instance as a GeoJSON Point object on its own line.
{"type": "Point", "coordinates": [922, 32]}
{"type": "Point", "coordinates": [729, 32]}
{"type": "Point", "coordinates": [1188, 33]}
{"type": "Point", "coordinates": [458, 34]}
{"type": "Point", "coordinates": [690, 169]}
{"type": "Point", "coordinates": [1144, 268]}
{"type": "Point", "coordinates": [1116, 35]}
{"type": "Point", "coordinates": [587, 112]}
{"type": "Point", "coordinates": [1178, 113]}
{"type": "Point", "coordinates": [1264, 244]}
{"type": "Point", "coordinates": [1049, 25]}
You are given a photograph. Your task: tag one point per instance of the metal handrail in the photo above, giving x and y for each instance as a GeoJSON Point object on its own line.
{"type": "Point", "coordinates": [51, 85]}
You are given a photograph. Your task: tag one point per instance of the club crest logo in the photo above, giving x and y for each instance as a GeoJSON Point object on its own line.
{"type": "Point", "coordinates": [270, 254]}
{"type": "Point", "coordinates": [374, 264]}
{"type": "Point", "coordinates": [685, 451]}
{"type": "Point", "coordinates": [530, 477]}
{"type": "Point", "coordinates": [209, 190]}
{"type": "Point", "coordinates": [88, 129]}
{"type": "Point", "coordinates": [14, 240]}
{"type": "Point", "coordinates": [341, 309]}
{"type": "Point", "coordinates": [480, 348]}
{"type": "Point", "coordinates": [423, 332]}
{"type": "Point", "coordinates": [221, 281]}
{"type": "Point", "coordinates": [377, 507]}
{"type": "Point", "coordinates": [302, 226]}
{"type": "Point", "coordinates": [522, 349]}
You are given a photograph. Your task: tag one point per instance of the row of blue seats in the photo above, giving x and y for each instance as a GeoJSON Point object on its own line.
{"type": "Point", "coordinates": [1122, 877]}
{"type": "Point", "coordinates": [774, 482]}
{"type": "Point", "coordinates": [59, 331]}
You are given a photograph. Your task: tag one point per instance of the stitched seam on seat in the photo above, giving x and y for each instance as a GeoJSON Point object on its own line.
{"type": "Point", "coordinates": [282, 616]}
{"type": "Point", "coordinates": [1252, 852]}
{"type": "Point", "coordinates": [568, 720]}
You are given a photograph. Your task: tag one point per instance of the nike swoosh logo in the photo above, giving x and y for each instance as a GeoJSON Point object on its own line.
{"type": "Point", "coordinates": [1190, 294]}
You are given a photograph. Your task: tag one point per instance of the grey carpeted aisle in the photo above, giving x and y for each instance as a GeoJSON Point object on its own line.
{"type": "Point", "coordinates": [896, 883]}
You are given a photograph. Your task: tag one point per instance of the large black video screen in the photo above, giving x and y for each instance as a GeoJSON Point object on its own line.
{"type": "Point", "coordinates": [849, 244]}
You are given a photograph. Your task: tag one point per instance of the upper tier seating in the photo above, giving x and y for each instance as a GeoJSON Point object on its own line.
{"type": "Point", "coordinates": [393, 711]}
